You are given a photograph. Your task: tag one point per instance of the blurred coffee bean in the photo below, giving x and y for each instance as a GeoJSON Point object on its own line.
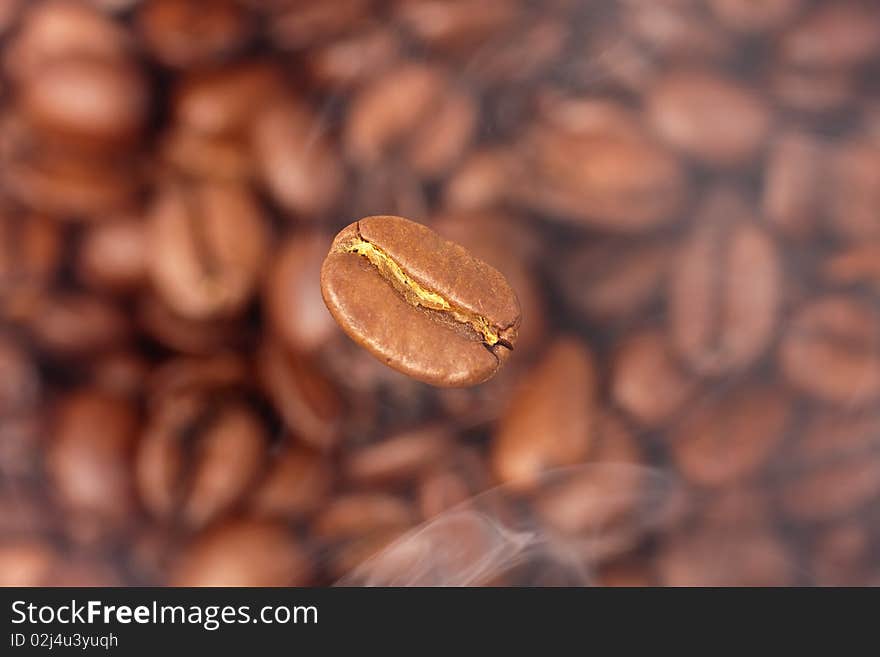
{"type": "Point", "coordinates": [296, 158]}
{"type": "Point", "coordinates": [414, 111]}
{"type": "Point", "coordinates": [709, 117]}
{"type": "Point", "coordinates": [729, 438]}
{"type": "Point", "coordinates": [748, 16]}
{"type": "Point", "coordinates": [550, 419]}
{"type": "Point", "coordinates": [221, 101]}
{"type": "Point", "coordinates": [813, 91]}
{"type": "Point", "coordinates": [188, 336]}
{"type": "Point", "coordinates": [183, 33]}
{"type": "Point", "coordinates": [76, 324]}
{"type": "Point", "coordinates": [57, 30]}
{"type": "Point", "coordinates": [597, 180]}
{"type": "Point", "coordinates": [399, 457]}
{"type": "Point", "coordinates": [839, 34]}
{"type": "Point", "coordinates": [792, 195]}
{"type": "Point", "coordinates": [646, 380]}
{"type": "Point", "coordinates": [113, 255]}
{"type": "Point", "coordinates": [834, 489]}
{"type": "Point", "coordinates": [304, 396]}
{"type": "Point", "coordinates": [26, 562]}
{"type": "Point", "coordinates": [292, 294]}
{"type": "Point", "coordinates": [479, 181]}
{"type": "Point", "coordinates": [208, 244]}
{"type": "Point", "coordinates": [361, 513]}
{"type": "Point", "coordinates": [830, 350]}
{"type": "Point", "coordinates": [840, 554]}
{"type": "Point", "coordinates": [854, 190]}
{"type": "Point", "coordinates": [351, 60]}
{"type": "Point", "coordinates": [301, 23]}
{"type": "Point", "coordinates": [243, 552]}
{"type": "Point", "coordinates": [677, 30]}
{"type": "Point", "coordinates": [613, 279]}
{"type": "Point", "coordinates": [90, 102]}
{"type": "Point", "coordinates": [184, 468]}
{"type": "Point", "coordinates": [122, 373]}
{"type": "Point", "coordinates": [458, 24]}
{"type": "Point", "coordinates": [88, 463]}
{"type": "Point", "coordinates": [19, 378]}
{"type": "Point", "coordinates": [30, 253]}
{"type": "Point", "coordinates": [297, 483]}
{"type": "Point", "coordinates": [750, 557]}
{"type": "Point", "coordinates": [725, 288]}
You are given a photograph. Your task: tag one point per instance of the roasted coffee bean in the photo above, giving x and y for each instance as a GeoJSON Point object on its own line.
{"type": "Point", "coordinates": [88, 460]}
{"type": "Point", "coordinates": [834, 489]}
{"type": "Point", "coordinates": [296, 159]}
{"type": "Point", "coordinates": [792, 198]}
{"type": "Point", "coordinates": [416, 111]}
{"type": "Point", "coordinates": [399, 457]}
{"type": "Point", "coordinates": [457, 25]}
{"type": "Point", "coordinates": [183, 467]}
{"type": "Point", "coordinates": [729, 438]}
{"type": "Point", "coordinates": [361, 513]}
{"type": "Point", "coordinates": [751, 557]}
{"type": "Point", "coordinates": [59, 29]}
{"type": "Point", "coordinates": [711, 118]}
{"type": "Point", "coordinates": [830, 351]}
{"type": "Point", "coordinates": [676, 31]}
{"type": "Point", "coordinates": [612, 280]}
{"type": "Point", "coordinates": [352, 60]}
{"type": "Point", "coordinates": [306, 398]}
{"type": "Point", "coordinates": [550, 420]}
{"type": "Point", "coordinates": [854, 190]}
{"type": "Point", "coordinates": [90, 102]}
{"type": "Point", "coordinates": [423, 305]}
{"type": "Point", "coordinates": [184, 33]}
{"type": "Point", "coordinates": [113, 255]}
{"type": "Point", "coordinates": [208, 244]}
{"type": "Point", "coordinates": [725, 288]}
{"type": "Point", "coordinates": [76, 324]}
{"type": "Point", "coordinates": [619, 183]}
{"type": "Point", "coordinates": [244, 552]}
{"type": "Point", "coordinates": [294, 283]}
{"type": "Point", "coordinates": [839, 34]}
{"type": "Point", "coordinates": [647, 381]}
{"type": "Point", "coordinates": [748, 16]}
{"type": "Point", "coordinates": [298, 483]}
{"type": "Point", "coordinates": [818, 92]}
{"type": "Point", "coordinates": [19, 378]}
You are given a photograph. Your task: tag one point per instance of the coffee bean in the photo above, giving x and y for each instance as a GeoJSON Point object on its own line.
{"type": "Point", "coordinates": [550, 420]}
{"type": "Point", "coordinates": [711, 118]}
{"type": "Point", "coordinates": [399, 457]}
{"type": "Point", "coordinates": [421, 304]}
{"type": "Point", "coordinates": [87, 461]}
{"type": "Point", "coordinates": [90, 102]}
{"type": "Point", "coordinates": [415, 110]}
{"type": "Point", "coordinates": [244, 552]}
{"type": "Point", "coordinates": [725, 288]}
{"type": "Point", "coordinates": [183, 468]}
{"type": "Point", "coordinates": [835, 489]}
{"type": "Point", "coordinates": [295, 158]}
{"type": "Point", "coordinates": [113, 255]}
{"type": "Point", "coordinates": [208, 244]}
{"type": "Point", "coordinates": [854, 190]}
{"type": "Point", "coordinates": [646, 380]}
{"type": "Point", "coordinates": [729, 438]}
{"type": "Point", "coordinates": [792, 197]}
{"type": "Point", "coordinates": [750, 557]}
{"type": "Point", "coordinates": [294, 282]}
{"type": "Point", "coordinates": [834, 36]}
{"type": "Point", "coordinates": [298, 483]}
{"type": "Point", "coordinates": [184, 33]}
{"type": "Point", "coordinates": [748, 16]}
{"type": "Point", "coordinates": [830, 351]}
{"type": "Point", "coordinates": [599, 180]}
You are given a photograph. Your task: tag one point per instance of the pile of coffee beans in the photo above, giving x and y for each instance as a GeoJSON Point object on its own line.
{"type": "Point", "coordinates": [683, 194]}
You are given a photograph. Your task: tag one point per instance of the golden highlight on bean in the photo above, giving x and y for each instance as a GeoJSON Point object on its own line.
{"type": "Point", "coordinates": [417, 294]}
